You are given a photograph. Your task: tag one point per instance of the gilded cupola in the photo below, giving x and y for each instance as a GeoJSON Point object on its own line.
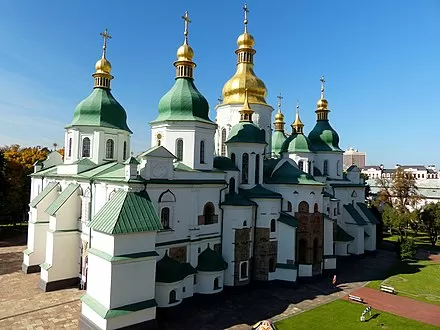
{"type": "Point", "coordinates": [297, 125]}
{"type": "Point", "coordinates": [103, 67]}
{"type": "Point", "coordinates": [279, 117]}
{"type": "Point", "coordinates": [244, 77]}
{"type": "Point", "coordinates": [322, 104]}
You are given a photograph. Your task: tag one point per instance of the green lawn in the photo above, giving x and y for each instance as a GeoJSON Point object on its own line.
{"type": "Point", "coordinates": [342, 314]}
{"type": "Point", "coordinates": [421, 239]}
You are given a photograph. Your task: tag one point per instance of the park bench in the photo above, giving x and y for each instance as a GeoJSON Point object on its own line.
{"type": "Point", "coordinates": [388, 289]}
{"type": "Point", "coordinates": [355, 298]}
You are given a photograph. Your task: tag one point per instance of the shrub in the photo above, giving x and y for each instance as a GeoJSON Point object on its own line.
{"type": "Point", "coordinates": [407, 248]}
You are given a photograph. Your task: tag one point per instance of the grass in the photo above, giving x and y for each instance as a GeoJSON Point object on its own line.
{"type": "Point", "coordinates": [421, 239]}
{"type": "Point", "coordinates": [342, 314]}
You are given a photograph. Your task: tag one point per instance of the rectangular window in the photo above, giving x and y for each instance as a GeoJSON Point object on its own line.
{"type": "Point", "coordinates": [244, 270]}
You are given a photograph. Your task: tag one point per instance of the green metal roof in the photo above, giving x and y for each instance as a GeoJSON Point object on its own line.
{"type": "Point", "coordinates": [131, 161]}
{"type": "Point", "coordinates": [289, 174]}
{"type": "Point", "coordinates": [324, 137]}
{"type": "Point", "coordinates": [259, 192]}
{"type": "Point", "coordinates": [288, 219]}
{"type": "Point", "coordinates": [342, 235]}
{"type": "Point", "coordinates": [127, 212]}
{"type": "Point", "coordinates": [365, 210]}
{"type": "Point", "coordinates": [183, 102]}
{"type": "Point", "coordinates": [46, 171]}
{"type": "Point", "coordinates": [62, 198]}
{"type": "Point", "coordinates": [278, 138]}
{"type": "Point", "coordinates": [237, 200]}
{"type": "Point", "coordinates": [51, 186]}
{"type": "Point", "coordinates": [297, 143]}
{"type": "Point", "coordinates": [355, 215]}
{"type": "Point", "coordinates": [101, 109]}
{"type": "Point", "coordinates": [169, 270]}
{"type": "Point", "coordinates": [211, 261]}
{"type": "Point", "coordinates": [246, 132]}
{"type": "Point", "coordinates": [224, 163]}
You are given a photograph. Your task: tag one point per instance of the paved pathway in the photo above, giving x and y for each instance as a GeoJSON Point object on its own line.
{"type": "Point", "coordinates": [402, 306]}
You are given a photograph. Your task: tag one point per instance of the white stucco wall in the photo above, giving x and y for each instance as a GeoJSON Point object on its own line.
{"type": "Point", "coordinates": [341, 248]}
{"type": "Point", "coordinates": [205, 282]}
{"type": "Point", "coordinates": [163, 293]}
{"type": "Point", "coordinates": [305, 270]}
{"type": "Point", "coordinates": [328, 237]}
{"type": "Point", "coordinates": [286, 244]}
{"type": "Point", "coordinates": [357, 245]}
{"type": "Point", "coordinates": [36, 244]}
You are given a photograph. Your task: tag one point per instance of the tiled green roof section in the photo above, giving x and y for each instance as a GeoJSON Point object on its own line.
{"type": "Point", "coordinates": [237, 200]}
{"type": "Point", "coordinates": [365, 210]}
{"type": "Point", "coordinates": [100, 109]}
{"type": "Point", "coordinates": [259, 192]}
{"type": "Point", "coordinates": [288, 219]}
{"type": "Point", "coordinates": [127, 212]}
{"type": "Point", "coordinates": [131, 161]}
{"type": "Point", "coordinates": [245, 132]}
{"type": "Point", "coordinates": [355, 215]}
{"type": "Point", "coordinates": [84, 161]}
{"type": "Point", "coordinates": [62, 198]}
{"type": "Point", "coordinates": [51, 186]}
{"type": "Point", "coordinates": [342, 235]}
{"type": "Point", "coordinates": [183, 102]}
{"type": "Point", "coordinates": [324, 137]}
{"type": "Point", "coordinates": [45, 172]}
{"type": "Point", "coordinates": [297, 143]}
{"type": "Point", "coordinates": [278, 138]}
{"type": "Point", "coordinates": [169, 270]}
{"type": "Point", "coordinates": [91, 173]}
{"type": "Point", "coordinates": [289, 174]}
{"type": "Point", "coordinates": [179, 166]}
{"type": "Point", "coordinates": [211, 261]}
{"type": "Point", "coordinates": [224, 163]}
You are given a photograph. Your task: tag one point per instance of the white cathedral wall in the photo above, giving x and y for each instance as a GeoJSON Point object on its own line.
{"type": "Point", "coordinates": [370, 242]}
{"type": "Point", "coordinates": [36, 244]}
{"type": "Point", "coordinates": [163, 293]}
{"type": "Point", "coordinates": [308, 193]}
{"type": "Point", "coordinates": [306, 157]}
{"type": "Point", "coordinates": [328, 237]}
{"type": "Point", "coordinates": [134, 243]}
{"type": "Point", "coordinates": [252, 149]}
{"type": "Point", "coordinates": [345, 195]}
{"type": "Point", "coordinates": [334, 161]}
{"type": "Point", "coordinates": [341, 248]}
{"type": "Point", "coordinates": [357, 245]}
{"type": "Point", "coordinates": [205, 282]}
{"type": "Point", "coordinates": [268, 209]}
{"type": "Point", "coordinates": [286, 243]}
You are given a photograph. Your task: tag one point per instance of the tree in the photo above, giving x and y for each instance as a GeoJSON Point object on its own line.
{"type": "Point", "coordinates": [407, 248]}
{"type": "Point", "coordinates": [3, 186]}
{"type": "Point", "coordinates": [430, 217]}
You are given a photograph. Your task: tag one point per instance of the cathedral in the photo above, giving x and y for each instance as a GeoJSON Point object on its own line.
{"type": "Point", "coordinates": [212, 204]}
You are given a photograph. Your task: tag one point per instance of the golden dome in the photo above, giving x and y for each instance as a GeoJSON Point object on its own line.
{"type": "Point", "coordinates": [322, 104]}
{"type": "Point", "coordinates": [244, 78]}
{"type": "Point", "coordinates": [279, 116]}
{"type": "Point", "coordinates": [103, 66]}
{"type": "Point", "coordinates": [185, 53]}
{"type": "Point", "coordinates": [245, 40]}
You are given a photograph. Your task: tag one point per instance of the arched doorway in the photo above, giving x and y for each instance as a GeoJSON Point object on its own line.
{"type": "Point", "coordinates": [302, 251]}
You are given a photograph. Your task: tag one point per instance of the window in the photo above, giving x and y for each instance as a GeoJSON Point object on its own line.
{"type": "Point", "coordinates": [69, 153]}
{"type": "Point", "coordinates": [125, 150]}
{"type": "Point", "coordinates": [301, 165]}
{"type": "Point", "coordinates": [209, 213]}
{"type": "Point", "coordinates": [109, 149]}
{"type": "Point", "coordinates": [289, 206]}
{"type": "Point", "coordinates": [303, 207]}
{"type": "Point", "coordinates": [173, 297]}
{"type": "Point", "coordinates": [257, 169]}
{"type": "Point", "coordinates": [179, 149]}
{"type": "Point", "coordinates": [309, 168]}
{"type": "Point", "coordinates": [233, 158]}
{"type": "Point", "coordinates": [223, 144]}
{"type": "Point", "coordinates": [302, 251]}
{"type": "Point", "coordinates": [325, 167]}
{"type": "Point", "coordinates": [272, 265]}
{"type": "Point", "coordinates": [334, 212]}
{"type": "Point", "coordinates": [85, 205]}
{"type": "Point", "coordinates": [217, 283]}
{"type": "Point", "coordinates": [273, 226]}
{"type": "Point", "coordinates": [315, 208]}
{"type": "Point", "coordinates": [86, 147]}
{"type": "Point", "coordinates": [244, 223]}
{"type": "Point", "coordinates": [338, 168]}
{"type": "Point", "coordinates": [195, 280]}
{"type": "Point", "coordinates": [202, 152]}
{"type": "Point", "coordinates": [165, 217]}
{"type": "Point", "coordinates": [244, 168]}
{"type": "Point", "coordinates": [232, 185]}
{"type": "Point", "coordinates": [243, 270]}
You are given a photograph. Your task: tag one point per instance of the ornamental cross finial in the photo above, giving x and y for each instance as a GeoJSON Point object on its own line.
{"type": "Point", "coordinates": [220, 100]}
{"type": "Point", "coordinates": [297, 106]}
{"type": "Point", "coordinates": [246, 11]}
{"type": "Point", "coordinates": [322, 86]}
{"type": "Point", "coordinates": [187, 21]}
{"type": "Point", "coordinates": [279, 97]}
{"type": "Point", "coordinates": [106, 36]}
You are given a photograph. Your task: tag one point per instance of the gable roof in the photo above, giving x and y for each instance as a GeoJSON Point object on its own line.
{"type": "Point", "coordinates": [169, 270]}
{"type": "Point", "coordinates": [224, 163]}
{"type": "Point", "coordinates": [127, 212]}
{"type": "Point", "coordinates": [259, 192]}
{"type": "Point", "coordinates": [342, 235]}
{"type": "Point", "coordinates": [51, 186]}
{"type": "Point", "coordinates": [354, 214]}
{"type": "Point", "coordinates": [370, 216]}
{"type": "Point", "coordinates": [289, 174]}
{"type": "Point", "coordinates": [211, 261]}
{"type": "Point", "coordinates": [288, 219]}
{"type": "Point", "coordinates": [62, 198]}
{"type": "Point", "coordinates": [237, 200]}
{"type": "Point", "coordinates": [158, 151]}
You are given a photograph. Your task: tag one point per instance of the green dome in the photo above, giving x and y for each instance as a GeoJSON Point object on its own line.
{"type": "Point", "coordinates": [101, 109]}
{"type": "Point", "coordinates": [324, 137]}
{"type": "Point", "coordinates": [278, 138]}
{"type": "Point", "coordinates": [183, 102]}
{"type": "Point", "coordinates": [297, 143]}
{"type": "Point", "coordinates": [246, 132]}
{"type": "Point", "coordinates": [211, 261]}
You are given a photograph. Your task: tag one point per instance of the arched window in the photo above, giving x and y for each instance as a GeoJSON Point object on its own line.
{"type": "Point", "coordinates": [244, 223]}
{"type": "Point", "coordinates": [109, 149]}
{"type": "Point", "coordinates": [125, 150]}
{"type": "Point", "coordinates": [165, 217]}
{"type": "Point", "coordinates": [289, 206]}
{"type": "Point", "coordinates": [85, 205]}
{"type": "Point", "coordinates": [112, 193]}
{"type": "Point", "coordinates": [172, 297]}
{"type": "Point", "coordinates": [209, 213]}
{"type": "Point", "coordinates": [315, 208]}
{"type": "Point", "coordinates": [245, 168]}
{"type": "Point", "coordinates": [257, 169]}
{"type": "Point", "coordinates": [303, 207]}
{"type": "Point", "coordinates": [315, 250]}
{"type": "Point", "coordinates": [302, 251]}
{"type": "Point", "coordinates": [273, 226]}
{"type": "Point", "coordinates": [301, 165]}
{"type": "Point", "coordinates": [233, 158]}
{"type": "Point", "coordinates": [69, 153]}
{"type": "Point", "coordinates": [272, 265]}
{"type": "Point", "coordinates": [338, 168]}
{"type": "Point", "coordinates": [86, 147]}
{"type": "Point", "coordinates": [310, 167]}
{"type": "Point", "coordinates": [244, 270]}
{"type": "Point", "coordinates": [232, 185]}
{"type": "Point", "coordinates": [223, 144]}
{"type": "Point", "coordinates": [179, 149]}
{"type": "Point", "coordinates": [326, 167]}
{"type": "Point", "coordinates": [217, 283]}
{"type": "Point", "coordinates": [202, 152]}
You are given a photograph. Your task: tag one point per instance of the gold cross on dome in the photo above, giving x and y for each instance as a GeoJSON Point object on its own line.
{"type": "Point", "coordinates": [187, 21]}
{"type": "Point", "coordinates": [279, 97]}
{"type": "Point", "coordinates": [322, 86]}
{"type": "Point", "coordinates": [106, 36]}
{"type": "Point", "coordinates": [246, 11]}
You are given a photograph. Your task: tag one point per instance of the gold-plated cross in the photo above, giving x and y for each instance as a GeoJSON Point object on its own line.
{"type": "Point", "coordinates": [187, 21]}
{"type": "Point", "coordinates": [297, 106]}
{"type": "Point", "coordinates": [246, 11]}
{"type": "Point", "coordinates": [106, 36]}
{"type": "Point", "coordinates": [322, 86]}
{"type": "Point", "coordinates": [279, 97]}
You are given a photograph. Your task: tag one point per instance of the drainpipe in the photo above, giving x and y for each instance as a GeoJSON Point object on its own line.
{"type": "Point", "coordinates": [90, 213]}
{"type": "Point", "coordinates": [254, 242]}
{"type": "Point", "coordinates": [222, 211]}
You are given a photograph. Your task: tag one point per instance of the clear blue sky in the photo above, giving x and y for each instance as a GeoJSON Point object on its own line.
{"type": "Point", "coordinates": [381, 60]}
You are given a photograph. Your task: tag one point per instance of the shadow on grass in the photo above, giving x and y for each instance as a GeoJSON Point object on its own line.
{"type": "Point", "coordinates": [375, 316]}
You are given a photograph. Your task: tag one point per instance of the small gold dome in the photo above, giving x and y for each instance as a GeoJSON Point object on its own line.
{"type": "Point", "coordinates": [185, 53]}
{"type": "Point", "coordinates": [322, 104]}
{"type": "Point", "coordinates": [245, 40]}
{"type": "Point", "coordinates": [279, 116]}
{"type": "Point", "coordinates": [103, 66]}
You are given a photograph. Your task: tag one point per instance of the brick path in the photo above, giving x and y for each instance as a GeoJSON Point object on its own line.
{"type": "Point", "coordinates": [402, 306]}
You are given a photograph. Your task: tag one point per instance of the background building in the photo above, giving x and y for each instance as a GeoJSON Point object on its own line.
{"type": "Point", "coordinates": [354, 157]}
